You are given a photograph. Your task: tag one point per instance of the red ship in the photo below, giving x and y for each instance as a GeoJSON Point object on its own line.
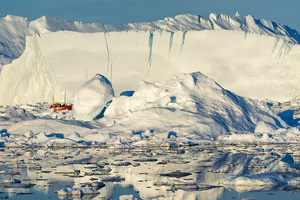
{"type": "Point", "coordinates": [59, 106]}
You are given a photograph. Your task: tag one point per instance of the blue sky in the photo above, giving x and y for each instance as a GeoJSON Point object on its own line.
{"type": "Point", "coordinates": [125, 11]}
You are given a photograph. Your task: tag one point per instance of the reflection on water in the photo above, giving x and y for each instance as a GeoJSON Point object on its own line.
{"type": "Point", "coordinates": [157, 173]}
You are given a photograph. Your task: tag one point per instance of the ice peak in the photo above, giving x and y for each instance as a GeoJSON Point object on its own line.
{"type": "Point", "coordinates": [9, 17]}
{"type": "Point", "coordinates": [13, 18]}
{"type": "Point", "coordinates": [44, 18]}
{"type": "Point", "coordinates": [213, 16]}
{"type": "Point", "coordinates": [237, 14]}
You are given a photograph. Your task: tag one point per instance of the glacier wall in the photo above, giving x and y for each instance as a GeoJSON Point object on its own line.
{"type": "Point", "coordinates": [14, 29]}
{"type": "Point", "coordinates": [251, 65]}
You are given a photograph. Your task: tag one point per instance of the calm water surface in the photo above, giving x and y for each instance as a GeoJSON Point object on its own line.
{"type": "Point", "coordinates": [145, 172]}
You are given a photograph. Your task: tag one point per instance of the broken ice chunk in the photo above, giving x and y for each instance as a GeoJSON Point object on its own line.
{"type": "Point", "coordinates": [76, 191]}
{"type": "Point", "coordinates": [9, 181]}
{"type": "Point", "coordinates": [113, 179]}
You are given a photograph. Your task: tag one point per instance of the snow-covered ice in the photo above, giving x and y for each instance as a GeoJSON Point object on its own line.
{"type": "Point", "coordinates": [247, 56]}
{"type": "Point", "coordinates": [187, 109]}
{"type": "Point", "coordinates": [14, 29]}
{"type": "Point", "coordinates": [76, 191]}
{"type": "Point", "coordinates": [213, 169]}
{"type": "Point", "coordinates": [175, 132]}
{"type": "Point", "coordinates": [92, 97]}
{"type": "Point", "coordinates": [10, 181]}
{"type": "Point", "coordinates": [260, 180]}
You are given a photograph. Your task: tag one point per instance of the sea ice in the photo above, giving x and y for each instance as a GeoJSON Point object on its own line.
{"type": "Point", "coordinates": [69, 172]}
{"type": "Point", "coordinates": [112, 179]}
{"type": "Point", "coordinates": [9, 181]}
{"type": "Point", "coordinates": [17, 185]}
{"type": "Point", "coordinates": [97, 184]}
{"type": "Point", "coordinates": [77, 191]}
{"type": "Point", "coordinates": [259, 180]}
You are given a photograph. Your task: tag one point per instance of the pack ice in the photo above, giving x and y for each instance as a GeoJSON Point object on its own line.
{"type": "Point", "coordinates": [250, 57]}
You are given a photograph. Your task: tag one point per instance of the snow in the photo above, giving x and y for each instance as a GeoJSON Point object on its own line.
{"type": "Point", "coordinates": [172, 79]}
{"type": "Point", "coordinates": [192, 103]}
{"type": "Point", "coordinates": [61, 55]}
{"type": "Point", "coordinates": [126, 197]}
{"type": "Point", "coordinates": [76, 191]}
{"type": "Point", "coordinates": [187, 109]}
{"type": "Point", "coordinates": [56, 62]}
{"type": "Point", "coordinates": [92, 97]}
{"type": "Point", "coordinates": [260, 180]}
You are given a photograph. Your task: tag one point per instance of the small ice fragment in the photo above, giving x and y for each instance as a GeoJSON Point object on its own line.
{"type": "Point", "coordinates": [173, 183]}
{"type": "Point", "coordinates": [17, 185]}
{"type": "Point", "coordinates": [136, 164]}
{"type": "Point", "coordinates": [145, 160]}
{"type": "Point", "coordinates": [76, 191]}
{"type": "Point", "coordinates": [113, 179]}
{"type": "Point", "coordinates": [98, 184]}
{"type": "Point", "coordinates": [29, 134]}
{"type": "Point", "coordinates": [126, 197]}
{"type": "Point", "coordinates": [9, 181]}
{"type": "Point", "coordinates": [69, 172]}
{"type": "Point", "coordinates": [34, 167]}
{"type": "Point", "coordinates": [4, 172]}
{"type": "Point", "coordinates": [121, 163]}
{"type": "Point", "coordinates": [177, 174]}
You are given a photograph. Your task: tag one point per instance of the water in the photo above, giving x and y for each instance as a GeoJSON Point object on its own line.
{"type": "Point", "coordinates": [151, 172]}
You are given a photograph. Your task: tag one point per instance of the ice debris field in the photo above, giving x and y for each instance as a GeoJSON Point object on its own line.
{"type": "Point", "coordinates": [199, 172]}
{"type": "Point", "coordinates": [179, 82]}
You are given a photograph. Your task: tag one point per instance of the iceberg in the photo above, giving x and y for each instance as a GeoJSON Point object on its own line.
{"type": "Point", "coordinates": [187, 109]}
{"type": "Point", "coordinates": [247, 56]}
{"type": "Point", "coordinates": [189, 103]}
{"type": "Point", "coordinates": [91, 98]}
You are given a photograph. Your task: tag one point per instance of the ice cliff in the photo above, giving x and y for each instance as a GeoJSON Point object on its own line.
{"type": "Point", "coordinates": [248, 56]}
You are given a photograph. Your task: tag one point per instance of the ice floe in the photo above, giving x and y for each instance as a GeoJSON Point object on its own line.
{"type": "Point", "coordinates": [76, 191]}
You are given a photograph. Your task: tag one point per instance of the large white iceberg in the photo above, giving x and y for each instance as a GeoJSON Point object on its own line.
{"type": "Point", "coordinates": [189, 103]}
{"type": "Point", "coordinates": [91, 98]}
{"type": "Point", "coordinates": [188, 108]}
{"type": "Point", "coordinates": [249, 57]}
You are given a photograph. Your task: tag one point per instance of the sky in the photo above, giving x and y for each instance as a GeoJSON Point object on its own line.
{"type": "Point", "coordinates": [285, 12]}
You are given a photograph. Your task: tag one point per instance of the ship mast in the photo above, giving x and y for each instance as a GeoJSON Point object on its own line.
{"type": "Point", "coordinates": [65, 100]}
